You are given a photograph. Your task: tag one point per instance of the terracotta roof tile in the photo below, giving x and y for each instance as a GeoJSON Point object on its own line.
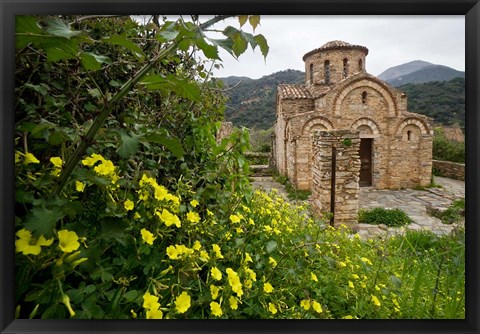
{"type": "Point", "coordinates": [336, 45]}
{"type": "Point", "coordinates": [292, 92]}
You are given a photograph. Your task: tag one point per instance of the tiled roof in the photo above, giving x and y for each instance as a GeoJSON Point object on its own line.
{"type": "Point", "coordinates": [292, 92]}
{"type": "Point", "coordinates": [336, 45]}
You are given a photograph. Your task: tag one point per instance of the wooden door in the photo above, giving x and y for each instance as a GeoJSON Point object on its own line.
{"type": "Point", "coordinates": [366, 162]}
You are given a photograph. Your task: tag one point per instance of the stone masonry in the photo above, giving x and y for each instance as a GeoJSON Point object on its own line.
{"type": "Point", "coordinates": [338, 94]}
{"type": "Point", "coordinates": [346, 175]}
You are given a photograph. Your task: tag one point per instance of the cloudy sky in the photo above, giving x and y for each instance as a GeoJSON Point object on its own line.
{"type": "Point", "coordinates": [391, 40]}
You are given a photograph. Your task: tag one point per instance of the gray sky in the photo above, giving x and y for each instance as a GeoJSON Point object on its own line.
{"type": "Point", "coordinates": [391, 40]}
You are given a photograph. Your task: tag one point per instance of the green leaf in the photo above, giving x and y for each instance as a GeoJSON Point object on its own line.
{"type": "Point", "coordinates": [226, 44]}
{"type": "Point", "coordinates": [59, 49]}
{"type": "Point", "coordinates": [57, 138]}
{"type": "Point", "coordinates": [59, 28]}
{"type": "Point", "coordinates": [210, 51]}
{"type": "Point", "coordinates": [168, 35]}
{"type": "Point", "coordinates": [131, 295]}
{"type": "Point", "coordinates": [242, 19]}
{"type": "Point", "coordinates": [42, 88]}
{"type": "Point", "coordinates": [42, 221]}
{"type": "Point", "coordinates": [172, 144]}
{"type": "Point", "coordinates": [95, 92]}
{"type": "Point", "coordinates": [25, 27]}
{"type": "Point", "coordinates": [153, 81]}
{"type": "Point", "coordinates": [184, 88]}
{"type": "Point", "coordinates": [262, 43]}
{"type": "Point", "coordinates": [123, 41]}
{"type": "Point", "coordinates": [240, 45]}
{"type": "Point", "coordinates": [130, 144]}
{"type": "Point", "coordinates": [271, 246]}
{"type": "Point", "coordinates": [254, 21]}
{"type": "Point", "coordinates": [92, 62]}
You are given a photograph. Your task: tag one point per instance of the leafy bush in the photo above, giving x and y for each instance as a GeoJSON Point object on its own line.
{"type": "Point", "coordinates": [454, 212]}
{"type": "Point", "coordinates": [389, 217]}
{"type": "Point", "coordinates": [447, 150]}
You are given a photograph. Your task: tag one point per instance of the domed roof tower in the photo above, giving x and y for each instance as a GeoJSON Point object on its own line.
{"type": "Point", "coordinates": [332, 63]}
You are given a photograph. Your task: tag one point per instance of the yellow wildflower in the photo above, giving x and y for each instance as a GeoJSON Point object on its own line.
{"type": "Point", "coordinates": [197, 245]}
{"type": "Point", "coordinates": [79, 186]}
{"type": "Point", "coordinates": [30, 159]}
{"type": "Point", "coordinates": [305, 304]}
{"type": "Point", "coordinates": [375, 301]}
{"type": "Point", "coordinates": [154, 314]}
{"type": "Point", "coordinates": [137, 216]}
{"type": "Point", "coordinates": [216, 309]}
{"type": "Point", "coordinates": [169, 218]}
{"type": "Point", "coordinates": [105, 168]}
{"type": "Point", "coordinates": [365, 260]}
{"type": "Point", "coordinates": [267, 287]}
{"type": "Point", "coordinates": [128, 204]}
{"type": "Point", "coordinates": [56, 161]}
{"type": "Point", "coordinates": [216, 274]}
{"type": "Point", "coordinates": [342, 264]}
{"type": "Point", "coordinates": [150, 301]}
{"type": "Point", "coordinates": [233, 302]}
{"type": "Point", "coordinates": [214, 290]}
{"type": "Point", "coordinates": [204, 256]}
{"type": "Point", "coordinates": [355, 276]}
{"type": "Point", "coordinates": [210, 213]}
{"type": "Point", "coordinates": [251, 273]}
{"type": "Point", "coordinates": [248, 258]}
{"type": "Point", "coordinates": [234, 219]}
{"type": "Point", "coordinates": [234, 282]}
{"type": "Point", "coordinates": [272, 308]}
{"type": "Point", "coordinates": [68, 241]}
{"type": "Point", "coordinates": [147, 236]}
{"type": "Point", "coordinates": [194, 203]}
{"type": "Point", "coordinates": [272, 261]}
{"type": "Point", "coordinates": [66, 302]}
{"type": "Point", "coordinates": [29, 245]}
{"type": "Point", "coordinates": [160, 192]}
{"type": "Point", "coordinates": [317, 307]}
{"type": "Point", "coordinates": [182, 302]}
{"type": "Point", "coordinates": [313, 277]}
{"type": "Point", "coordinates": [350, 285]}
{"type": "Point", "coordinates": [217, 250]}
{"type": "Point", "coordinates": [193, 217]}
{"type": "Point", "coordinates": [92, 160]}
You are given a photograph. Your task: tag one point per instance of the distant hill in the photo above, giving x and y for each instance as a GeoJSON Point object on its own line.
{"type": "Point", "coordinates": [419, 71]}
{"type": "Point", "coordinates": [251, 103]}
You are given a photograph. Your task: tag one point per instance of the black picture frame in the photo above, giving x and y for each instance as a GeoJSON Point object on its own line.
{"type": "Point", "coordinates": [10, 8]}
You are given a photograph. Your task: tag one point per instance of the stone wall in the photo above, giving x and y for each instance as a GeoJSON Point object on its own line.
{"type": "Point", "coordinates": [347, 174]}
{"type": "Point", "coordinates": [450, 169]}
{"type": "Point", "coordinates": [225, 130]}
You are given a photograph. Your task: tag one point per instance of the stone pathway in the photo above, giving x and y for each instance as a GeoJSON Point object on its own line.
{"type": "Point", "coordinates": [413, 202]}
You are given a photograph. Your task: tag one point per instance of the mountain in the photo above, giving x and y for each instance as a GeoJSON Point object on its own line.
{"type": "Point", "coordinates": [403, 69]}
{"type": "Point", "coordinates": [419, 71]}
{"type": "Point", "coordinates": [251, 103]}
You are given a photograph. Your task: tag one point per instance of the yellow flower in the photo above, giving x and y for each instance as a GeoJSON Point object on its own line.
{"type": "Point", "coordinates": [204, 256]}
{"type": "Point", "coordinates": [342, 264]}
{"type": "Point", "coordinates": [182, 303]}
{"type": "Point", "coordinates": [234, 282]}
{"type": "Point", "coordinates": [272, 261]}
{"type": "Point", "coordinates": [68, 241]}
{"type": "Point", "coordinates": [194, 203]}
{"type": "Point", "coordinates": [137, 216]}
{"type": "Point", "coordinates": [365, 260]}
{"type": "Point", "coordinates": [233, 302]}
{"type": "Point", "coordinates": [313, 277]}
{"type": "Point", "coordinates": [234, 219]}
{"type": "Point", "coordinates": [317, 307]}
{"type": "Point", "coordinates": [350, 285]}
{"type": "Point", "coordinates": [347, 316]}
{"type": "Point", "coordinates": [154, 314]}
{"type": "Point", "coordinates": [169, 218]}
{"type": "Point", "coordinates": [210, 213]}
{"type": "Point", "coordinates": [248, 258]}
{"type": "Point", "coordinates": [305, 304]}
{"type": "Point", "coordinates": [197, 245]}
{"type": "Point", "coordinates": [30, 159]}
{"type": "Point", "coordinates": [92, 160]}
{"type": "Point", "coordinates": [214, 290]}
{"type": "Point", "coordinates": [28, 245]}
{"type": "Point", "coordinates": [251, 273]}
{"type": "Point", "coordinates": [147, 236]}
{"type": "Point", "coordinates": [217, 250]}
{"type": "Point", "coordinates": [355, 276]}
{"type": "Point", "coordinates": [56, 161]}
{"type": "Point", "coordinates": [128, 204]}
{"type": "Point", "coordinates": [375, 301]}
{"type": "Point", "coordinates": [251, 221]}
{"type": "Point", "coordinates": [79, 186]}
{"type": "Point", "coordinates": [160, 192]}
{"type": "Point", "coordinates": [216, 309]}
{"type": "Point", "coordinates": [193, 217]}
{"type": "Point", "coordinates": [150, 302]}
{"type": "Point", "coordinates": [272, 308]}
{"type": "Point", "coordinates": [66, 302]}
{"type": "Point", "coordinates": [216, 274]}
{"type": "Point", "coordinates": [267, 287]}
{"type": "Point", "coordinates": [18, 154]}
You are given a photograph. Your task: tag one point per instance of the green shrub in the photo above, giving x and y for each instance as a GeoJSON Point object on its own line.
{"type": "Point", "coordinates": [454, 212]}
{"type": "Point", "coordinates": [447, 150]}
{"type": "Point", "coordinates": [389, 217]}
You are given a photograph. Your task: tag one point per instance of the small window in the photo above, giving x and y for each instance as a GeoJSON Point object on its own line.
{"type": "Point", "coordinates": [364, 97]}
{"type": "Point", "coordinates": [327, 71]}
{"type": "Point", "coordinates": [409, 135]}
{"type": "Point", "coordinates": [345, 67]}
{"type": "Point", "coordinates": [360, 65]}
{"type": "Point", "coordinates": [311, 73]}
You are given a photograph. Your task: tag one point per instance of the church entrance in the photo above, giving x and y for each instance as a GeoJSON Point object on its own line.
{"type": "Point", "coordinates": [366, 162]}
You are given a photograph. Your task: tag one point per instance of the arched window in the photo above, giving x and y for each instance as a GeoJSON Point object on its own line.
{"type": "Point", "coordinates": [360, 65]}
{"type": "Point", "coordinates": [327, 71]}
{"type": "Point", "coordinates": [345, 67]}
{"type": "Point", "coordinates": [364, 97]}
{"type": "Point", "coordinates": [409, 135]}
{"type": "Point", "coordinates": [311, 73]}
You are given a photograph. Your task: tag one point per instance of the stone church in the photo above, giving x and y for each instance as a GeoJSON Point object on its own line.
{"type": "Point", "coordinates": [395, 149]}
